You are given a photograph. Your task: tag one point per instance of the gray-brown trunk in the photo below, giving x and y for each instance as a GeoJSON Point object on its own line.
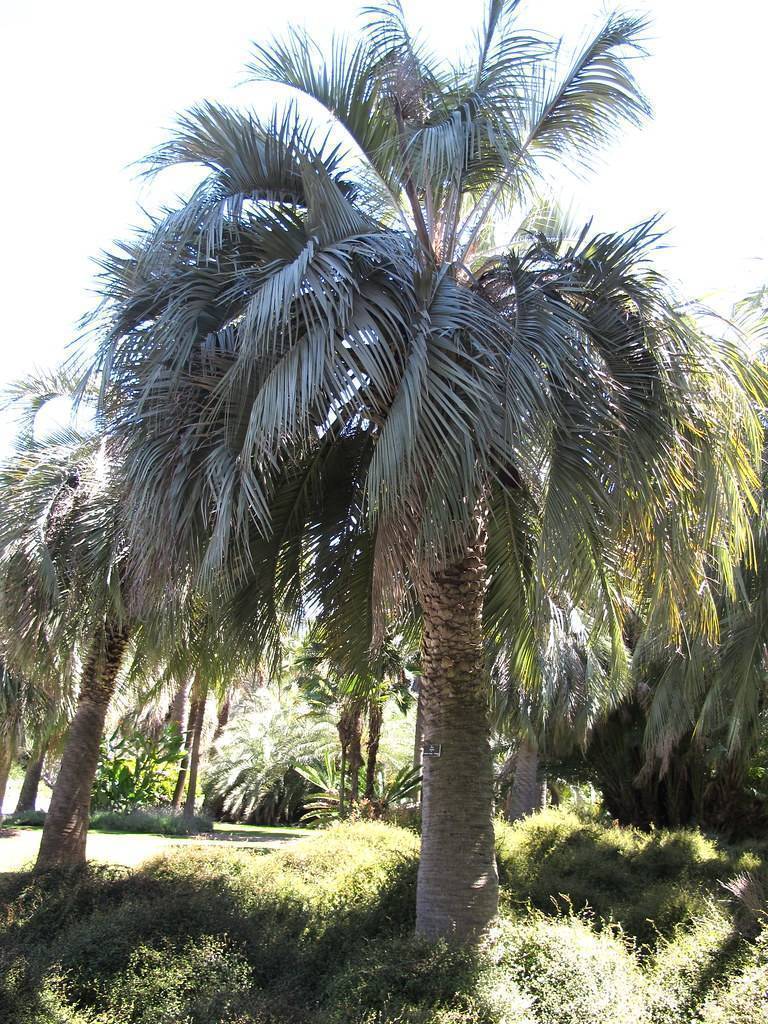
{"type": "Point", "coordinates": [524, 795]}
{"type": "Point", "coordinates": [457, 890]}
{"type": "Point", "coordinates": [178, 707]}
{"type": "Point", "coordinates": [181, 778]}
{"type": "Point", "coordinates": [355, 756]}
{"type": "Point", "coordinates": [66, 824]}
{"type": "Point", "coordinates": [6, 759]}
{"type": "Point", "coordinates": [375, 718]}
{"type": "Point", "coordinates": [32, 776]}
{"type": "Point", "coordinates": [346, 729]}
{"type": "Point", "coordinates": [418, 737]}
{"type": "Point", "coordinates": [197, 715]}
{"type": "Point", "coordinates": [222, 718]}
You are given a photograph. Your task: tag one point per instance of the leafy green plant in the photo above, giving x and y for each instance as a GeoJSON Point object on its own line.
{"type": "Point", "coordinates": [136, 769]}
{"type": "Point", "coordinates": [320, 931]}
{"type": "Point", "coordinates": [255, 771]}
{"type": "Point", "coordinates": [323, 805]}
{"type": "Point", "coordinates": [160, 821]}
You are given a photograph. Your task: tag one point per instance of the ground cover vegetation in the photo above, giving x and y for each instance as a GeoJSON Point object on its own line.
{"type": "Point", "coordinates": [597, 924]}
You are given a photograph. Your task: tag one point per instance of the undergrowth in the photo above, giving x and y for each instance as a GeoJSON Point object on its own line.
{"type": "Point", "coordinates": [598, 926]}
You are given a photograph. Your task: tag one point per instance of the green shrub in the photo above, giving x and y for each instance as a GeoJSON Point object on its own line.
{"type": "Point", "coordinates": [743, 997]}
{"type": "Point", "coordinates": [35, 819]}
{"type": "Point", "coordinates": [153, 820]}
{"type": "Point", "coordinates": [536, 971]}
{"type": "Point", "coordinates": [323, 930]}
{"type": "Point", "coordinates": [136, 769]}
{"type": "Point", "coordinates": [649, 883]}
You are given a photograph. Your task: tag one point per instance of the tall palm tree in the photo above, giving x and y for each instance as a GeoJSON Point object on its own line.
{"type": "Point", "coordinates": [321, 352]}
{"type": "Point", "coordinates": [11, 723]}
{"type": "Point", "coordinates": [60, 595]}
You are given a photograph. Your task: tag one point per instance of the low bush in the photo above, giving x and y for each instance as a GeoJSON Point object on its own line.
{"type": "Point", "coordinates": [743, 996]}
{"type": "Point", "coordinates": [322, 930]}
{"type": "Point", "coordinates": [650, 883]}
{"type": "Point", "coordinates": [35, 819]}
{"type": "Point", "coordinates": [154, 820]}
{"type": "Point", "coordinates": [158, 821]}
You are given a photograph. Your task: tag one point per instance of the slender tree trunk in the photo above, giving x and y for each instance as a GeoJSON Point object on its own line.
{"type": "Point", "coordinates": [342, 779]}
{"type": "Point", "coordinates": [178, 706]}
{"type": "Point", "coordinates": [223, 717]}
{"type": "Point", "coordinates": [375, 718]}
{"type": "Point", "coordinates": [181, 778]}
{"type": "Point", "coordinates": [6, 760]}
{"type": "Point", "coordinates": [345, 728]}
{"type": "Point", "coordinates": [524, 795]}
{"type": "Point", "coordinates": [66, 824]}
{"type": "Point", "coordinates": [32, 776]}
{"type": "Point", "coordinates": [457, 891]}
{"type": "Point", "coordinates": [199, 696]}
{"type": "Point", "coordinates": [214, 805]}
{"type": "Point", "coordinates": [355, 756]}
{"type": "Point", "coordinates": [542, 786]}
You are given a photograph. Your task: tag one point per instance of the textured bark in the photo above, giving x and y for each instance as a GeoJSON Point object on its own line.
{"type": "Point", "coordinates": [66, 824]}
{"type": "Point", "coordinates": [6, 759]}
{"type": "Point", "coordinates": [181, 778]}
{"type": "Point", "coordinates": [342, 779]}
{"type": "Point", "coordinates": [214, 805]}
{"type": "Point", "coordinates": [178, 706]}
{"type": "Point", "coordinates": [31, 783]}
{"type": "Point", "coordinates": [223, 717]}
{"type": "Point", "coordinates": [375, 718]}
{"type": "Point", "coordinates": [418, 738]}
{"type": "Point", "coordinates": [355, 755]}
{"type": "Point", "coordinates": [345, 728]}
{"type": "Point", "coordinates": [457, 892]}
{"type": "Point", "coordinates": [524, 795]}
{"type": "Point", "coordinates": [197, 717]}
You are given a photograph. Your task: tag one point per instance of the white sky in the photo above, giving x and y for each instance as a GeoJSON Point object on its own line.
{"type": "Point", "coordinates": [88, 87]}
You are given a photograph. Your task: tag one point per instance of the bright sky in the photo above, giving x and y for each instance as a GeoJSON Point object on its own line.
{"type": "Point", "coordinates": [90, 86]}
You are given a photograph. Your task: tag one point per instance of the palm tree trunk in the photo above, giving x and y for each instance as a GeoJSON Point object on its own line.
{"type": "Point", "coordinates": [214, 805]}
{"type": "Point", "coordinates": [524, 794]}
{"type": "Point", "coordinates": [6, 760]}
{"type": "Point", "coordinates": [418, 738]}
{"type": "Point", "coordinates": [375, 718]}
{"type": "Point", "coordinates": [178, 706]}
{"type": "Point", "coordinates": [181, 778]}
{"type": "Point", "coordinates": [223, 717]}
{"type": "Point", "coordinates": [197, 717]}
{"type": "Point", "coordinates": [457, 890]}
{"type": "Point", "coordinates": [342, 780]}
{"type": "Point", "coordinates": [32, 776]}
{"type": "Point", "coordinates": [542, 802]}
{"type": "Point", "coordinates": [66, 824]}
{"type": "Point", "coordinates": [355, 756]}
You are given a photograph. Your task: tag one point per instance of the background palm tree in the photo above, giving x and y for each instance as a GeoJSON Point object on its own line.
{"type": "Point", "coordinates": [60, 555]}
{"type": "Point", "coordinates": [333, 365]}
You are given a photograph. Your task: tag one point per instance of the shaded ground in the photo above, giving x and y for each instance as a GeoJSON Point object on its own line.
{"type": "Point", "coordinates": [18, 847]}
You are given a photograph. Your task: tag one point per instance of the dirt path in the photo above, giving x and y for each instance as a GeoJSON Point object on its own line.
{"type": "Point", "coordinates": [18, 847]}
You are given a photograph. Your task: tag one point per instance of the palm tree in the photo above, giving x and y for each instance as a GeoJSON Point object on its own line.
{"type": "Point", "coordinates": [60, 564]}
{"type": "Point", "coordinates": [321, 358]}
{"type": "Point", "coordinates": [11, 723]}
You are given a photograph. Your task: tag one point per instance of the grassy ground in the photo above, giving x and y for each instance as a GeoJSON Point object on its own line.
{"type": "Point", "coordinates": [321, 930]}
{"type": "Point", "coordinates": [18, 847]}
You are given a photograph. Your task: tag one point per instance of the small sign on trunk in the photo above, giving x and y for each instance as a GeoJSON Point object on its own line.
{"type": "Point", "coordinates": [432, 749]}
